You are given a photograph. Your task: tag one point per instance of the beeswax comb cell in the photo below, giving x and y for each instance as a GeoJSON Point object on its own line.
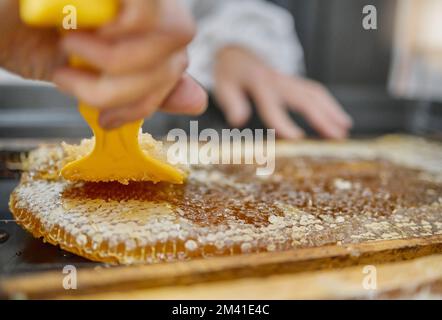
{"type": "Point", "coordinates": [117, 155]}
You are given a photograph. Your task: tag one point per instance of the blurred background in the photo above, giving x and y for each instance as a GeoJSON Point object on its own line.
{"type": "Point", "coordinates": [355, 64]}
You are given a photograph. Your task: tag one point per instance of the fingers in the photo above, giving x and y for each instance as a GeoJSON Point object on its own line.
{"type": "Point", "coordinates": [331, 106]}
{"type": "Point", "coordinates": [163, 16]}
{"type": "Point", "coordinates": [233, 102]}
{"type": "Point", "coordinates": [318, 107]}
{"type": "Point", "coordinates": [313, 111]}
{"type": "Point", "coordinates": [108, 91]}
{"type": "Point", "coordinates": [188, 97]}
{"type": "Point", "coordinates": [145, 33]}
{"type": "Point", "coordinates": [271, 110]}
{"type": "Point", "coordinates": [102, 91]}
{"type": "Point", "coordinates": [134, 16]}
{"type": "Point", "coordinates": [126, 55]}
{"type": "Point", "coordinates": [138, 62]}
{"type": "Point", "coordinates": [113, 118]}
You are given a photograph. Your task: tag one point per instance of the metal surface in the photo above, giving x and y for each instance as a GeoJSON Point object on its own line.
{"type": "Point", "coordinates": [19, 251]}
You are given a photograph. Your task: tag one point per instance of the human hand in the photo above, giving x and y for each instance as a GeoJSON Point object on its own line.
{"type": "Point", "coordinates": [239, 74]}
{"type": "Point", "coordinates": [139, 61]}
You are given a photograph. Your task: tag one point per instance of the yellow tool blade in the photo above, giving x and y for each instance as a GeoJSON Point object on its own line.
{"type": "Point", "coordinates": [117, 155]}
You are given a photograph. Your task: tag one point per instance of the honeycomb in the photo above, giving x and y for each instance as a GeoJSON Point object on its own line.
{"type": "Point", "coordinates": [320, 193]}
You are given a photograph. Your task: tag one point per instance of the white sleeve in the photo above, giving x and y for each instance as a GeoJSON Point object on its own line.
{"type": "Point", "coordinates": [257, 25]}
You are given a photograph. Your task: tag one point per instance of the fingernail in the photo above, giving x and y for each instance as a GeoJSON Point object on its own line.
{"type": "Point", "coordinates": [104, 120]}
{"type": "Point", "coordinates": [108, 121]}
{"type": "Point", "coordinates": [298, 135]}
{"type": "Point", "coordinates": [238, 117]}
{"type": "Point", "coordinates": [235, 121]}
{"type": "Point", "coordinates": [293, 134]}
{"type": "Point", "coordinates": [348, 120]}
{"type": "Point", "coordinates": [112, 124]}
{"type": "Point", "coordinates": [336, 133]}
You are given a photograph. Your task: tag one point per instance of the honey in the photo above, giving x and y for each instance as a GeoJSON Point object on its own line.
{"type": "Point", "coordinates": [377, 187]}
{"type": "Point", "coordinates": [309, 201]}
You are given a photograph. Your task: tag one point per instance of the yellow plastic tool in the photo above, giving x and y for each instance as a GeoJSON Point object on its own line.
{"type": "Point", "coordinates": [117, 155]}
